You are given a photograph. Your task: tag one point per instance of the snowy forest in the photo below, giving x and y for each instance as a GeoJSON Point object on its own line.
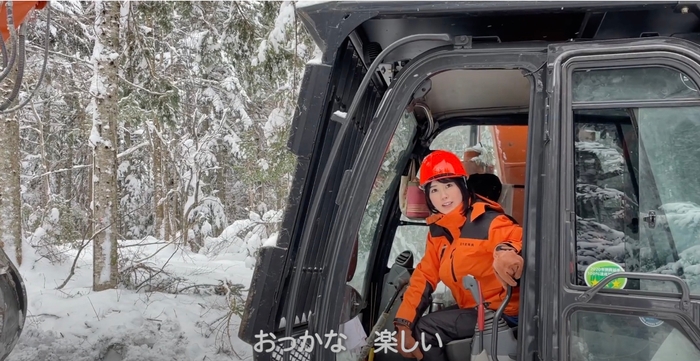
{"type": "Point", "coordinates": [158, 134]}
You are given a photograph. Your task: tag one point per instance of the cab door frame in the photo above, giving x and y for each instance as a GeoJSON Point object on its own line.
{"type": "Point", "coordinates": [559, 235]}
{"type": "Point", "coordinates": [360, 177]}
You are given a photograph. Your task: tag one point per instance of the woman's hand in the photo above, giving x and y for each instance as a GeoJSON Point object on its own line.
{"type": "Point", "coordinates": [407, 345]}
{"type": "Point", "coordinates": [507, 264]}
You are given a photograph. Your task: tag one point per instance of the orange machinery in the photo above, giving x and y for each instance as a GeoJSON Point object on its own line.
{"type": "Point", "coordinates": [20, 10]}
{"type": "Point", "coordinates": [510, 148]}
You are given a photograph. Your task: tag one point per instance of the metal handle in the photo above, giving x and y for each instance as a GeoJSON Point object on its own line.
{"type": "Point", "coordinates": [470, 283]}
{"type": "Point", "coordinates": [685, 290]}
{"type": "Point", "coordinates": [496, 318]}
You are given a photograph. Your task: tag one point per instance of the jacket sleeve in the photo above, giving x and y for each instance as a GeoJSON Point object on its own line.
{"type": "Point", "coordinates": [420, 287]}
{"type": "Point", "coordinates": [505, 232]}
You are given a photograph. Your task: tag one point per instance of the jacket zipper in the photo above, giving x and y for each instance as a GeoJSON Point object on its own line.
{"type": "Point", "coordinates": [452, 265]}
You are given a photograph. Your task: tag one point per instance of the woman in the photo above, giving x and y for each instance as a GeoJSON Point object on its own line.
{"type": "Point", "coordinates": [469, 235]}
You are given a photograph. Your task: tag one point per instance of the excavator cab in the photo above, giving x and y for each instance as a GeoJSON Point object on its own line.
{"type": "Point", "coordinates": [588, 113]}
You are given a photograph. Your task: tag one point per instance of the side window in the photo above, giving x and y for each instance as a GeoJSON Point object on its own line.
{"type": "Point", "coordinates": [605, 168]}
{"type": "Point", "coordinates": [456, 139]}
{"type": "Point", "coordinates": [636, 178]}
{"type": "Point", "coordinates": [469, 141]}
{"type": "Point", "coordinates": [473, 139]}
{"type": "Point", "coordinates": [387, 173]}
{"type": "Point", "coordinates": [619, 337]}
{"type": "Point", "coordinates": [409, 237]}
{"type": "Point", "coordinates": [637, 205]}
{"type": "Point", "coordinates": [639, 83]}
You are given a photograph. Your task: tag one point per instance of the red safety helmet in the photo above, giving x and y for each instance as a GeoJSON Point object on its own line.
{"type": "Point", "coordinates": [440, 164]}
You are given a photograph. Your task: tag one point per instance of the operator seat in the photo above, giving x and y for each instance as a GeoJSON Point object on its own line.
{"type": "Point", "coordinates": [486, 185]}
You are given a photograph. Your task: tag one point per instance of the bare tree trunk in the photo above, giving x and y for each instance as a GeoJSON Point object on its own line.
{"type": "Point", "coordinates": [46, 179]}
{"type": "Point", "coordinates": [10, 201]}
{"type": "Point", "coordinates": [70, 157]}
{"type": "Point", "coordinates": [103, 138]}
{"type": "Point", "coordinates": [172, 204]}
{"type": "Point", "coordinates": [10, 196]}
{"type": "Point", "coordinates": [158, 181]}
{"type": "Point", "coordinates": [223, 191]}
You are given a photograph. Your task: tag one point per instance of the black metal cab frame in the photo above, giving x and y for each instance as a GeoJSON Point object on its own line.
{"type": "Point", "coordinates": [299, 285]}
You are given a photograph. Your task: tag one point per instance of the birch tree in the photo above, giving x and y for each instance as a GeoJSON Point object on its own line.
{"type": "Point", "coordinates": [10, 201]}
{"type": "Point", "coordinates": [103, 140]}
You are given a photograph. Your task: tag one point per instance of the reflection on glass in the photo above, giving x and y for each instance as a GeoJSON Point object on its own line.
{"type": "Point", "coordinates": [668, 179]}
{"type": "Point", "coordinates": [637, 195]}
{"type": "Point", "coordinates": [644, 83]}
{"type": "Point", "coordinates": [409, 237]}
{"type": "Point", "coordinates": [606, 206]}
{"type": "Point", "coordinates": [388, 171]}
{"type": "Point", "coordinates": [456, 139]}
{"type": "Point", "coordinates": [636, 174]}
{"type": "Point", "coordinates": [613, 337]}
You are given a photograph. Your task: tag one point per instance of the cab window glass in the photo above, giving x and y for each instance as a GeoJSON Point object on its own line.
{"type": "Point", "coordinates": [456, 139]}
{"type": "Point", "coordinates": [470, 141]}
{"type": "Point", "coordinates": [411, 236]}
{"type": "Point", "coordinates": [642, 83]}
{"type": "Point", "coordinates": [604, 336]}
{"type": "Point", "coordinates": [387, 173]}
{"type": "Point", "coordinates": [637, 199]}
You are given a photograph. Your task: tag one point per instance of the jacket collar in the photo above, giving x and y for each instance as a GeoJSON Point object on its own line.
{"type": "Point", "coordinates": [455, 217]}
{"type": "Point", "coordinates": [479, 207]}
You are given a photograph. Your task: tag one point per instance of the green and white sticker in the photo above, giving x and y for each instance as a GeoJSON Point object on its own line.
{"type": "Point", "coordinates": [651, 321]}
{"type": "Point", "coordinates": [597, 271]}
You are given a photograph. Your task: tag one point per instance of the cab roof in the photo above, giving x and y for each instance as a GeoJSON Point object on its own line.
{"type": "Point", "coordinates": [383, 22]}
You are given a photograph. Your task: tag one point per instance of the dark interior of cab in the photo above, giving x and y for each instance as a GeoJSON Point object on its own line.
{"type": "Point", "coordinates": [482, 116]}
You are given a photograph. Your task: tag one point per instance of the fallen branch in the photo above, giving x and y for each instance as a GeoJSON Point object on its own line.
{"type": "Point", "coordinates": [84, 244]}
{"type": "Point", "coordinates": [195, 286]}
{"type": "Point", "coordinates": [93, 308]}
{"type": "Point", "coordinates": [142, 244]}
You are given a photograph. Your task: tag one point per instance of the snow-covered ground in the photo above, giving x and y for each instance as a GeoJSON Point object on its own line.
{"type": "Point", "coordinates": [76, 324]}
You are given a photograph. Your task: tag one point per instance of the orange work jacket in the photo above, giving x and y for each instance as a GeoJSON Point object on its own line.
{"type": "Point", "coordinates": [457, 246]}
